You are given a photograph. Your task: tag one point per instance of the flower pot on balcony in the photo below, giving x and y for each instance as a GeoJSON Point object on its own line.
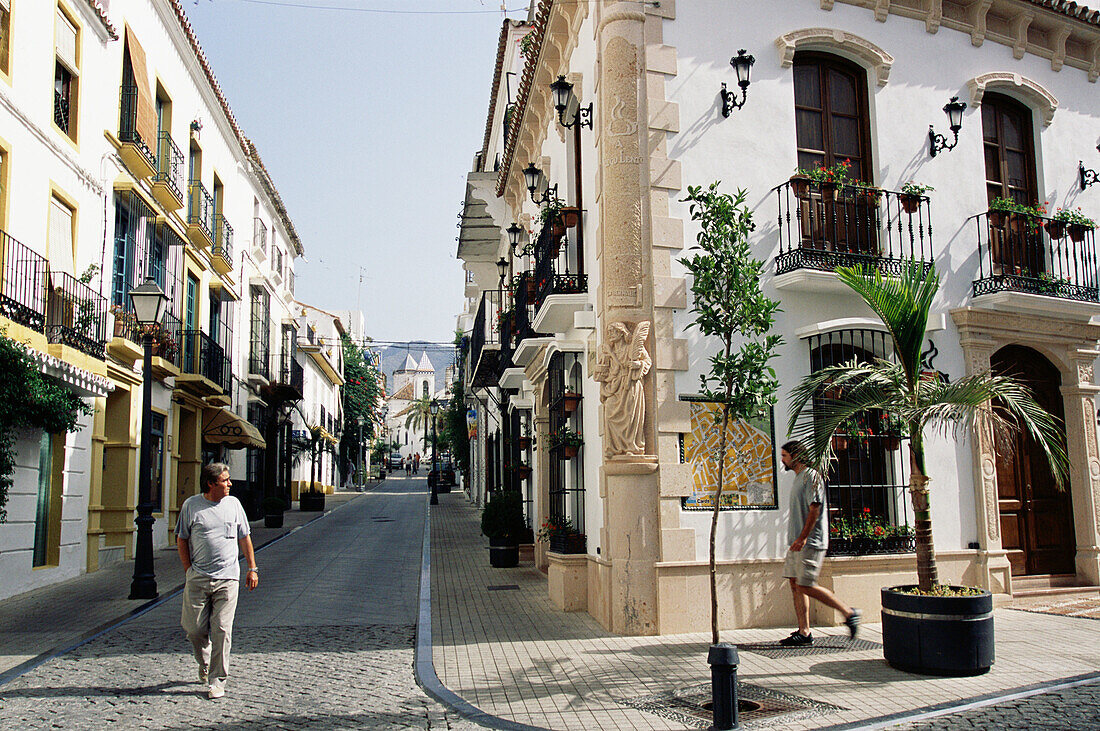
{"type": "Point", "coordinates": [557, 228]}
{"type": "Point", "coordinates": [570, 543]}
{"type": "Point", "coordinates": [571, 215]}
{"type": "Point", "coordinates": [1056, 229]}
{"type": "Point", "coordinates": [800, 186]}
{"type": "Point", "coordinates": [828, 191]}
{"type": "Point", "coordinates": [532, 290]}
{"type": "Point", "coordinates": [522, 472]}
{"type": "Point", "coordinates": [568, 451]}
{"type": "Point", "coordinates": [523, 442]}
{"type": "Point", "coordinates": [1020, 223]}
{"type": "Point", "coordinates": [570, 402]}
{"type": "Point", "coordinates": [892, 444]}
{"type": "Point", "coordinates": [910, 203]}
{"type": "Point", "coordinates": [997, 218]}
{"type": "Point", "coordinates": [1077, 232]}
{"type": "Point", "coordinates": [840, 443]}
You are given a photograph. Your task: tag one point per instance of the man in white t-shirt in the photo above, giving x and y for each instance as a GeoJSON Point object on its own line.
{"type": "Point", "coordinates": [210, 529]}
{"type": "Point", "coordinates": [808, 535]}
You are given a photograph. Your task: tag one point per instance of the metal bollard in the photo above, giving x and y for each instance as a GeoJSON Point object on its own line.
{"type": "Point", "coordinates": [723, 660]}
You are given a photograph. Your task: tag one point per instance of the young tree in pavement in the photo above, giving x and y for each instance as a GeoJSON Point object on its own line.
{"type": "Point", "coordinates": [361, 397]}
{"type": "Point", "coordinates": [729, 305]}
{"type": "Point", "coordinates": [918, 398]}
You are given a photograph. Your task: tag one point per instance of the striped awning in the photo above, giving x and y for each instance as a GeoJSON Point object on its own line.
{"type": "Point", "coordinates": [222, 426]}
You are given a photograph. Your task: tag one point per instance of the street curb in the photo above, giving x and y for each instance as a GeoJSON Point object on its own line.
{"type": "Point", "coordinates": [965, 704]}
{"type": "Point", "coordinates": [28, 665]}
{"type": "Point", "coordinates": [424, 665]}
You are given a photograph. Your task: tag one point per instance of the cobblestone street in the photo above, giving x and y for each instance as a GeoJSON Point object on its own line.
{"type": "Point", "coordinates": [326, 641]}
{"type": "Point", "coordinates": [1073, 709]}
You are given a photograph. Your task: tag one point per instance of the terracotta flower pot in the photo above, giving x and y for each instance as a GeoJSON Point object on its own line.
{"type": "Point", "coordinates": [571, 401]}
{"type": "Point", "coordinates": [911, 203]}
{"type": "Point", "coordinates": [800, 186]}
{"type": "Point", "coordinates": [1056, 229]}
{"type": "Point", "coordinates": [568, 451]}
{"type": "Point", "coordinates": [1077, 232]}
{"type": "Point", "coordinates": [524, 442]}
{"type": "Point", "coordinates": [571, 215]}
{"type": "Point", "coordinates": [828, 191]}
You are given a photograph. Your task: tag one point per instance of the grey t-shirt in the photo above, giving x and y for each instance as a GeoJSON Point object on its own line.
{"type": "Point", "coordinates": [211, 529]}
{"type": "Point", "coordinates": [808, 489]}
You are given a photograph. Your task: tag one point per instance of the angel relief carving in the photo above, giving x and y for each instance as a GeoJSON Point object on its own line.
{"type": "Point", "coordinates": [621, 364]}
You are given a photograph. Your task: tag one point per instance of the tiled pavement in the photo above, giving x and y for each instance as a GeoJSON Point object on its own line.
{"type": "Point", "coordinates": [59, 615]}
{"type": "Point", "coordinates": [512, 654]}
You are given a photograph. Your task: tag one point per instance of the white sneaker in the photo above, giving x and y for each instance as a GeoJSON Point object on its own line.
{"type": "Point", "coordinates": [216, 690]}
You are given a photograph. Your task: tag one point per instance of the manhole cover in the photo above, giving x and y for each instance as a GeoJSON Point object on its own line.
{"type": "Point", "coordinates": [760, 707]}
{"type": "Point", "coordinates": [823, 644]}
{"type": "Point", "coordinates": [503, 587]}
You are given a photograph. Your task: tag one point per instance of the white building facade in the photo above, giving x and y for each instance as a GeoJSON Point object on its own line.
{"type": "Point", "coordinates": [832, 81]}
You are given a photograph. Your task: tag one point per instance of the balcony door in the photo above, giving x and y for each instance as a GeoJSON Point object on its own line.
{"type": "Point", "coordinates": [1008, 142]}
{"type": "Point", "coordinates": [832, 125]}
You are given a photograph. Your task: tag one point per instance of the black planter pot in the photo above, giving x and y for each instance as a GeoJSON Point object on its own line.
{"type": "Point", "coordinates": [937, 635]}
{"type": "Point", "coordinates": [573, 543]}
{"type": "Point", "coordinates": [311, 502]}
{"type": "Point", "coordinates": [273, 520]}
{"type": "Point", "coordinates": [503, 553]}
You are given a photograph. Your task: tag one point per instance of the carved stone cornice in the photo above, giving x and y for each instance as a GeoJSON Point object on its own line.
{"type": "Point", "coordinates": [835, 39]}
{"type": "Point", "coordinates": [1033, 92]}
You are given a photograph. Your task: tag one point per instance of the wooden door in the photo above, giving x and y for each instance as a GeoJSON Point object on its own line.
{"type": "Point", "coordinates": [1036, 517]}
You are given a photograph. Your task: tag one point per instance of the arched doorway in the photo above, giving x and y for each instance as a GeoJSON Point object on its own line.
{"type": "Point", "coordinates": [1036, 517]}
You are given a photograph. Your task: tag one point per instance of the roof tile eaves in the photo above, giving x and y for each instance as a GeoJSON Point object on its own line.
{"type": "Point", "coordinates": [102, 14]}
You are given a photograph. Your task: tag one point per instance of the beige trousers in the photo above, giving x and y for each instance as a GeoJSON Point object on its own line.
{"type": "Point", "coordinates": [208, 609]}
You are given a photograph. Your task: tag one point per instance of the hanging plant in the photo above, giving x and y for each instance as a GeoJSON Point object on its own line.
{"type": "Point", "coordinates": [29, 400]}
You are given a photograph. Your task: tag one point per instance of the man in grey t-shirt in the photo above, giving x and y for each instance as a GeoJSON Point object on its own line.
{"type": "Point", "coordinates": [210, 528]}
{"type": "Point", "coordinates": [808, 533]}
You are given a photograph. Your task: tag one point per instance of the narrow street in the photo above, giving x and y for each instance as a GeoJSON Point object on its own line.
{"type": "Point", "coordinates": [324, 642]}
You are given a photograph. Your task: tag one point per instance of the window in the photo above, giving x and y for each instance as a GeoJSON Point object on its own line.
{"type": "Point", "coordinates": [866, 484]}
{"type": "Point", "coordinates": [831, 120]}
{"type": "Point", "coordinates": [190, 313]}
{"type": "Point", "coordinates": [66, 37]}
{"type": "Point", "coordinates": [5, 36]}
{"type": "Point", "coordinates": [157, 461]}
{"type": "Point", "coordinates": [47, 514]}
{"type": "Point", "coordinates": [1009, 151]}
{"type": "Point", "coordinates": [60, 236]}
{"type": "Point", "coordinates": [135, 231]}
{"type": "Point", "coordinates": [566, 474]}
{"type": "Point", "coordinates": [259, 342]}
{"type": "Point", "coordinates": [425, 389]}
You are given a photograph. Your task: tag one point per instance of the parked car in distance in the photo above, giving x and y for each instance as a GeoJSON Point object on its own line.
{"type": "Point", "coordinates": [395, 461]}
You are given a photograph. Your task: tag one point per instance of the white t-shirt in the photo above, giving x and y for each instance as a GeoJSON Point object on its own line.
{"type": "Point", "coordinates": [211, 530]}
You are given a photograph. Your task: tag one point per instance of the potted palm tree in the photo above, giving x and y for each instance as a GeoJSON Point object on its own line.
{"type": "Point", "coordinates": [927, 627]}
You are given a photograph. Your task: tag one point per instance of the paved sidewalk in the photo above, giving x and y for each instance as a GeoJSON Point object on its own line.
{"type": "Point", "coordinates": [60, 615]}
{"type": "Point", "coordinates": [500, 644]}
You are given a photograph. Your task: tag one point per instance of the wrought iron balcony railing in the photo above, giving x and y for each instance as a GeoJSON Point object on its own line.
{"type": "Point", "coordinates": [200, 209]}
{"type": "Point", "coordinates": [223, 239]}
{"type": "Point", "coordinates": [822, 229]}
{"type": "Point", "coordinates": [203, 356]}
{"type": "Point", "coordinates": [1035, 255]}
{"type": "Point", "coordinates": [170, 165]}
{"type": "Point", "coordinates": [259, 361]}
{"type": "Point", "coordinates": [61, 111]}
{"type": "Point", "coordinates": [167, 339]}
{"type": "Point", "coordinates": [22, 284]}
{"type": "Point", "coordinates": [558, 266]}
{"type": "Point", "coordinates": [76, 314]}
{"type": "Point", "coordinates": [291, 373]}
{"type": "Point", "coordinates": [127, 123]}
{"type": "Point", "coordinates": [486, 332]}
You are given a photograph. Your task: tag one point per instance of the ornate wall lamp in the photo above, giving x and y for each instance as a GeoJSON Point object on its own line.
{"type": "Point", "coordinates": [954, 111]}
{"type": "Point", "coordinates": [515, 240]}
{"type": "Point", "coordinates": [564, 99]}
{"type": "Point", "coordinates": [534, 179]}
{"type": "Point", "coordinates": [742, 65]}
{"type": "Point", "coordinates": [1088, 177]}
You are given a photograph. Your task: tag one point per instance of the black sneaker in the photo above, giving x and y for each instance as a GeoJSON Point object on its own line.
{"type": "Point", "coordinates": [797, 639]}
{"type": "Point", "coordinates": [853, 622]}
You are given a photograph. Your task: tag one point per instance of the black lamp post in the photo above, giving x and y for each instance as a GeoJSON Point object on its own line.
{"type": "Point", "coordinates": [433, 407]}
{"type": "Point", "coordinates": [954, 111]}
{"type": "Point", "coordinates": [742, 66]}
{"type": "Point", "coordinates": [148, 301]}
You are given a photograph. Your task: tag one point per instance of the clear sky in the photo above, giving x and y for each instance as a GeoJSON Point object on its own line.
{"type": "Point", "coordinates": [368, 122]}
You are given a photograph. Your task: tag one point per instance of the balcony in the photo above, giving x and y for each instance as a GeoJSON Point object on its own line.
{"type": "Point", "coordinates": [22, 284]}
{"type": "Point", "coordinates": [288, 292]}
{"type": "Point", "coordinates": [259, 363]}
{"type": "Point", "coordinates": [167, 357]}
{"type": "Point", "coordinates": [485, 340]}
{"type": "Point", "coordinates": [76, 315]}
{"type": "Point", "coordinates": [205, 369]}
{"type": "Point", "coordinates": [200, 216]}
{"type": "Point", "coordinates": [561, 286]}
{"type": "Point", "coordinates": [525, 339]}
{"type": "Point", "coordinates": [171, 180]}
{"type": "Point", "coordinates": [820, 230]}
{"type": "Point", "coordinates": [1036, 264]}
{"type": "Point", "coordinates": [222, 253]}
{"type": "Point", "coordinates": [134, 151]}
{"type": "Point", "coordinates": [287, 383]}
{"type": "Point", "coordinates": [259, 240]}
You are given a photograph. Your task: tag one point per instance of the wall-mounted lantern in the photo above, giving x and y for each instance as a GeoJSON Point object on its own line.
{"type": "Point", "coordinates": [742, 66]}
{"type": "Point", "coordinates": [565, 99]}
{"type": "Point", "coordinates": [1088, 177]}
{"type": "Point", "coordinates": [954, 111]}
{"type": "Point", "coordinates": [535, 180]}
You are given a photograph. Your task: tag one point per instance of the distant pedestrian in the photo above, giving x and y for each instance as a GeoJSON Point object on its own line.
{"type": "Point", "coordinates": [808, 533]}
{"type": "Point", "coordinates": [211, 527]}
{"type": "Point", "coordinates": [416, 463]}
{"type": "Point", "coordinates": [408, 465]}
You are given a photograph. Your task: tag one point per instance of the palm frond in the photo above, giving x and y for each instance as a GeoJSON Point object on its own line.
{"type": "Point", "coordinates": [901, 302]}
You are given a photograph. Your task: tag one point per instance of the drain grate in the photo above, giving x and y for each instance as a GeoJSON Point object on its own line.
{"type": "Point", "coordinates": [823, 645]}
{"type": "Point", "coordinates": [503, 587]}
{"type": "Point", "coordinates": [762, 707]}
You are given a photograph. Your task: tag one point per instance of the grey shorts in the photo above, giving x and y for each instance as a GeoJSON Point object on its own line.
{"type": "Point", "coordinates": [804, 566]}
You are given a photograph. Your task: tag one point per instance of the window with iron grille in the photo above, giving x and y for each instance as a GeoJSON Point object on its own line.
{"type": "Point", "coordinates": [566, 473]}
{"type": "Point", "coordinates": [135, 238]}
{"type": "Point", "coordinates": [257, 416]}
{"type": "Point", "coordinates": [869, 510]}
{"type": "Point", "coordinates": [259, 353]}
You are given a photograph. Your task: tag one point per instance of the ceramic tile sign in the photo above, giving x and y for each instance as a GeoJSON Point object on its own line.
{"type": "Point", "coordinates": [750, 472]}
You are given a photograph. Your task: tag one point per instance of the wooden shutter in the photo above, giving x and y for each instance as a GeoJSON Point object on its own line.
{"type": "Point", "coordinates": [61, 237]}
{"type": "Point", "coordinates": [65, 40]}
{"type": "Point", "coordinates": [146, 111]}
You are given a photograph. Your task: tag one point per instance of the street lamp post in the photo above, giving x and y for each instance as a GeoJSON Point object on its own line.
{"type": "Point", "coordinates": [434, 409]}
{"type": "Point", "coordinates": [148, 301]}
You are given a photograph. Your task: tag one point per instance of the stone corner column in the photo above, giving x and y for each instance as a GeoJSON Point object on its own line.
{"type": "Point", "coordinates": [1079, 399]}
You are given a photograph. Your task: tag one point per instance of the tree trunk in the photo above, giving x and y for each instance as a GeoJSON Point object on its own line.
{"type": "Point", "coordinates": [927, 573]}
{"type": "Point", "coordinates": [313, 467]}
{"type": "Point", "coordinates": [714, 522]}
